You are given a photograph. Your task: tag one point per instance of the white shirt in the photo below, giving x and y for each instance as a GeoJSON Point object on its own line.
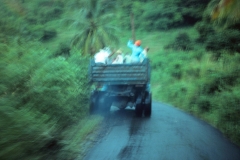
{"type": "Point", "coordinates": [143, 55]}
{"type": "Point", "coordinates": [118, 60]}
{"type": "Point", "coordinates": [101, 56]}
{"type": "Point", "coordinates": [127, 59]}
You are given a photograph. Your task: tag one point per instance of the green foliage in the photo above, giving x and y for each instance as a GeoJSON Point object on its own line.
{"type": "Point", "coordinates": [215, 39]}
{"type": "Point", "coordinates": [223, 14]}
{"type": "Point", "coordinates": [81, 132]}
{"type": "Point", "coordinates": [44, 87]}
{"type": "Point", "coordinates": [50, 10]}
{"type": "Point", "coordinates": [53, 88]}
{"type": "Point", "coordinates": [228, 109]}
{"type": "Point", "coordinates": [226, 39]}
{"type": "Point", "coordinates": [43, 90]}
{"type": "Point", "coordinates": [165, 15]}
{"type": "Point", "coordinates": [40, 98]}
{"type": "Point", "coordinates": [204, 29]}
{"type": "Point", "coordinates": [182, 42]}
{"type": "Point", "coordinates": [197, 82]}
{"type": "Point", "coordinates": [23, 132]}
{"type": "Point", "coordinates": [219, 29]}
{"type": "Point", "coordinates": [95, 29]}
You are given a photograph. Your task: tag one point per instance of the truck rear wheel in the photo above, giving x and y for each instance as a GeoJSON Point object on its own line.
{"type": "Point", "coordinates": [139, 110]}
{"type": "Point", "coordinates": [148, 110]}
{"type": "Point", "coordinates": [93, 102]}
{"type": "Point", "coordinates": [104, 103]}
{"type": "Point", "coordinates": [148, 105]}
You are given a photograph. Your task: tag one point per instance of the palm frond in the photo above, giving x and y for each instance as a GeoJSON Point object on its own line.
{"type": "Point", "coordinates": [95, 28]}
{"type": "Point", "coordinates": [225, 12]}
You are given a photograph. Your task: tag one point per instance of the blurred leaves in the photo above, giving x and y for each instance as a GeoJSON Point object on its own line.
{"type": "Point", "coordinates": [40, 96]}
{"type": "Point", "coordinates": [181, 42]}
{"type": "Point", "coordinates": [95, 28]}
{"type": "Point", "coordinates": [226, 12]}
{"type": "Point", "coordinates": [166, 14]}
{"type": "Point", "coordinates": [44, 89]}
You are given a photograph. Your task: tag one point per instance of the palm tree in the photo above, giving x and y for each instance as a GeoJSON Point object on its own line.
{"type": "Point", "coordinates": [225, 11]}
{"type": "Point", "coordinates": [95, 28]}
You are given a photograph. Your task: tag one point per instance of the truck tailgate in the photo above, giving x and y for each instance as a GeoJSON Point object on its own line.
{"type": "Point", "coordinates": [120, 74]}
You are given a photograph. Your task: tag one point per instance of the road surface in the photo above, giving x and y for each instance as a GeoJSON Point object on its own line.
{"type": "Point", "coordinates": [169, 134]}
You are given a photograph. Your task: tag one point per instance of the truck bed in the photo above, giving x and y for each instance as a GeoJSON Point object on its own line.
{"type": "Point", "coordinates": [120, 74]}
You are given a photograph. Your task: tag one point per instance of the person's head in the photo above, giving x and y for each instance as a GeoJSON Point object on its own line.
{"type": "Point", "coordinates": [107, 49]}
{"type": "Point", "coordinates": [137, 43]}
{"type": "Point", "coordinates": [119, 52]}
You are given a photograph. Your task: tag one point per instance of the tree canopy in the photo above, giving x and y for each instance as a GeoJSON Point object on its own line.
{"type": "Point", "coordinates": [95, 28]}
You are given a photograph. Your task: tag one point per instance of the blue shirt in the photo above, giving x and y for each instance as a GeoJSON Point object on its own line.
{"type": "Point", "coordinates": [136, 50]}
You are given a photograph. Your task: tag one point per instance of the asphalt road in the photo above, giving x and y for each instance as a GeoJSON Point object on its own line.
{"type": "Point", "coordinates": [169, 134]}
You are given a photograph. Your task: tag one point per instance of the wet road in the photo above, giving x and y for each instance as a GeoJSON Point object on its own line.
{"type": "Point", "coordinates": [169, 134]}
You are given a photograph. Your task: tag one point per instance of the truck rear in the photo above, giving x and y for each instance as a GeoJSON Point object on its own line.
{"type": "Point", "coordinates": [122, 85]}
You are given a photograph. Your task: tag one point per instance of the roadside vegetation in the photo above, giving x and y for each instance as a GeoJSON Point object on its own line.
{"type": "Point", "coordinates": [44, 46]}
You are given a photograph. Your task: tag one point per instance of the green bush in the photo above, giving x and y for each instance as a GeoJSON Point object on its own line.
{"type": "Point", "coordinates": [50, 10]}
{"type": "Point", "coordinates": [228, 112]}
{"type": "Point", "coordinates": [181, 42]}
{"type": "Point", "coordinates": [226, 39]}
{"type": "Point", "coordinates": [218, 39]}
{"type": "Point", "coordinates": [24, 133]}
{"type": "Point", "coordinates": [53, 89]}
{"type": "Point", "coordinates": [41, 97]}
{"type": "Point", "coordinates": [205, 30]}
{"type": "Point", "coordinates": [198, 83]}
{"type": "Point", "coordinates": [166, 14]}
{"type": "Point", "coordinates": [203, 104]}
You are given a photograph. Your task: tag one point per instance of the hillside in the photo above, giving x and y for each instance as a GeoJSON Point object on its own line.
{"type": "Point", "coordinates": [45, 48]}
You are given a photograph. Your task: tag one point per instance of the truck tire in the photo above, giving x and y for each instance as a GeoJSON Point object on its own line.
{"type": "Point", "coordinates": [139, 109]}
{"type": "Point", "coordinates": [104, 103]}
{"type": "Point", "coordinates": [108, 105]}
{"type": "Point", "coordinates": [93, 102]}
{"type": "Point", "coordinates": [148, 105]}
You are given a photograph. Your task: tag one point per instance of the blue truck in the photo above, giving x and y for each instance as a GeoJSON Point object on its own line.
{"type": "Point", "coordinates": [121, 85]}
